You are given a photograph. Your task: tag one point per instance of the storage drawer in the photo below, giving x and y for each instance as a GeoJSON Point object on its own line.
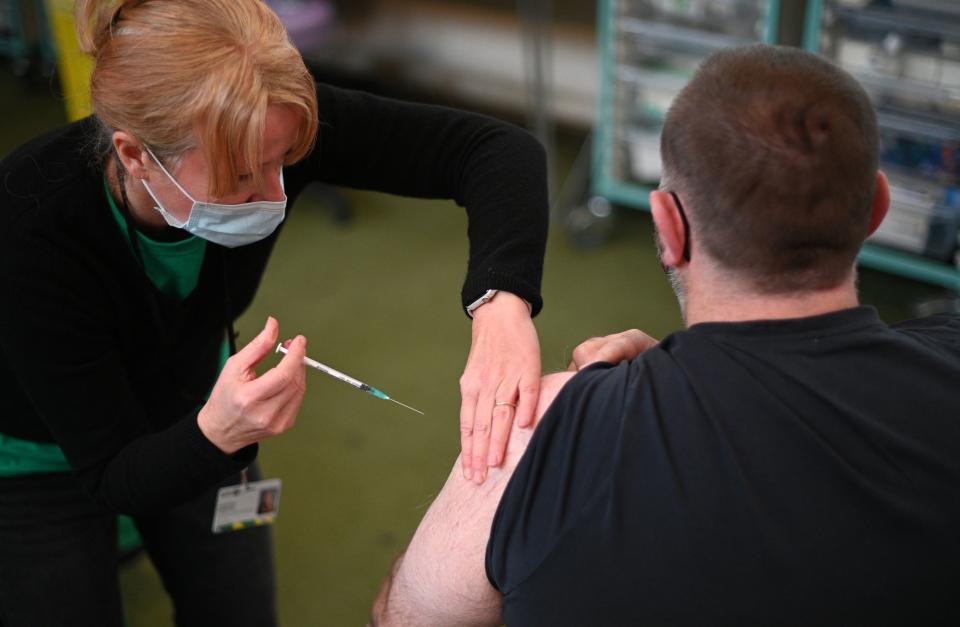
{"type": "Point", "coordinates": [923, 219]}
{"type": "Point", "coordinates": [902, 54]}
{"type": "Point", "coordinates": [745, 19]}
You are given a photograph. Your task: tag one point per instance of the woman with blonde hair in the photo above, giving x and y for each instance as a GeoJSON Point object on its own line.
{"type": "Point", "coordinates": [132, 240]}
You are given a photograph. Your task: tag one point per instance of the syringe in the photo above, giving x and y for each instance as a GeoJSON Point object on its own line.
{"type": "Point", "coordinates": [336, 374]}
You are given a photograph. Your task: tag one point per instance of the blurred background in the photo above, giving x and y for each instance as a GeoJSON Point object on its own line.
{"type": "Point", "coordinates": [373, 281]}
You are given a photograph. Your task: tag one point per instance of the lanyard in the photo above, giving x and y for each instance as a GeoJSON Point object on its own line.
{"type": "Point", "coordinates": [138, 254]}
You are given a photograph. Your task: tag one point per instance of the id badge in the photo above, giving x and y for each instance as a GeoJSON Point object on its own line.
{"type": "Point", "coordinates": [246, 505]}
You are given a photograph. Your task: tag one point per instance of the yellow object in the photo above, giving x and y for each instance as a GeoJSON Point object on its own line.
{"type": "Point", "coordinates": [74, 66]}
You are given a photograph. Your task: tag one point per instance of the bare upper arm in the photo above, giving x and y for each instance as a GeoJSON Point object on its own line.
{"type": "Point", "coordinates": [442, 578]}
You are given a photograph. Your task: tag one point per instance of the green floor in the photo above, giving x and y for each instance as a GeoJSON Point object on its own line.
{"type": "Point", "coordinates": [379, 299]}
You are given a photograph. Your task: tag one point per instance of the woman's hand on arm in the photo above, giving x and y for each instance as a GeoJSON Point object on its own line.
{"type": "Point", "coordinates": [503, 367]}
{"type": "Point", "coordinates": [244, 408]}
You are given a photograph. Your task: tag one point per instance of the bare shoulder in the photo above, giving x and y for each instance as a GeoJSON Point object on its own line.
{"type": "Point", "coordinates": [442, 577]}
{"type": "Point", "coordinates": [550, 386]}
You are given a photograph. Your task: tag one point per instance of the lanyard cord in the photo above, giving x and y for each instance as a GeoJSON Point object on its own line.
{"type": "Point", "coordinates": [228, 303]}
{"type": "Point", "coordinates": [125, 207]}
{"type": "Point", "coordinates": [135, 245]}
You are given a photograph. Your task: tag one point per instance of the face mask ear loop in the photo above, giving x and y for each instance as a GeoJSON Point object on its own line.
{"type": "Point", "coordinates": [169, 176]}
{"type": "Point", "coordinates": [686, 227]}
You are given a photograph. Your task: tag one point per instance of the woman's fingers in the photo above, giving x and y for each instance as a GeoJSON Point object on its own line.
{"type": "Point", "coordinates": [243, 408]}
{"type": "Point", "coordinates": [528, 393]}
{"type": "Point", "coordinates": [482, 423]}
{"type": "Point", "coordinates": [287, 412]}
{"type": "Point", "coordinates": [288, 376]}
{"type": "Point", "coordinates": [468, 407]}
{"type": "Point", "coordinates": [250, 355]}
{"type": "Point", "coordinates": [505, 408]}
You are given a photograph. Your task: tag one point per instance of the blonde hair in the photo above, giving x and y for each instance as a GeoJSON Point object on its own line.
{"type": "Point", "coordinates": [188, 74]}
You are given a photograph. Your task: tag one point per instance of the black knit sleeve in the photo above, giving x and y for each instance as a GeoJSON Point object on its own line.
{"type": "Point", "coordinates": [940, 333]}
{"type": "Point", "coordinates": [69, 366]}
{"type": "Point", "coordinates": [495, 170]}
{"type": "Point", "coordinates": [66, 356]}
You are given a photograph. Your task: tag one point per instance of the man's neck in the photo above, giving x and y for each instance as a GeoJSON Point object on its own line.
{"type": "Point", "coordinates": [720, 300]}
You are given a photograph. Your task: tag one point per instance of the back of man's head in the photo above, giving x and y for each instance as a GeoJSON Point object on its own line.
{"type": "Point", "coordinates": [773, 152]}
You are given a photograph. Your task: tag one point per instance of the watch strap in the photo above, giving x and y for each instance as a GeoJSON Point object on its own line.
{"type": "Point", "coordinates": [484, 299]}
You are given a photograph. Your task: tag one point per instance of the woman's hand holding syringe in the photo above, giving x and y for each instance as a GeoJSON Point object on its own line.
{"type": "Point", "coordinates": [244, 408]}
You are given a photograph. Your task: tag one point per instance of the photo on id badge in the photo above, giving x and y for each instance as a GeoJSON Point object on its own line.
{"type": "Point", "coordinates": [246, 505]}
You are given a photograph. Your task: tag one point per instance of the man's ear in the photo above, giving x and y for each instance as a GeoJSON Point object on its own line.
{"type": "Point", "coordinates": [881, 202]}
{"type": "Point", "coordinates": [673, 233]}
{"type": "Point", "coordinates": [131, 154]}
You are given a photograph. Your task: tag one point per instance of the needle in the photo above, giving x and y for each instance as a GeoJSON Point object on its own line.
{"type": "Point", "coordinates": [360, 385]}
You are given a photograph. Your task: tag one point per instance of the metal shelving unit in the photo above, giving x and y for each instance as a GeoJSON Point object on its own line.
{"type": "Point", "coordinates": [13, 41]}
{"type": "Point", "coordinates": [24, 33]}
{"type": "Point", "coordinates": [906, 54]}
{"type": "Point", "coordinates": [648, 50]}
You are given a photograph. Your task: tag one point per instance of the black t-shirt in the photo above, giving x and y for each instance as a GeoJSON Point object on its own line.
{"type": "Point", "coordinates": [797, 472]}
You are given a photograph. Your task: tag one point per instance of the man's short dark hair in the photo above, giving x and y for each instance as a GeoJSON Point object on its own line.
{"type": "Point", "coordinates": [773, 151]}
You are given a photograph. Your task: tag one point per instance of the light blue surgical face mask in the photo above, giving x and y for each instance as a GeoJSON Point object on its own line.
{"type": "Point", "coordinates": [227, 225]}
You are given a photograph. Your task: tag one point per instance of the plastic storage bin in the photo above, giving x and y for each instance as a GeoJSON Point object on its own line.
{"type": "Point", "coordinates": [906, 54]}
{"type": "Point", "coordinates": [648, 51]}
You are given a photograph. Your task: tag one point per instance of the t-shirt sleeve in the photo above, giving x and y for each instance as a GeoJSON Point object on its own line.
{"type": "Point", "coordinates": [940, 332]}
{"type": "Point", "coordinates": [495, 170]}
{"type": "Point", "coordinates": [568, 463]}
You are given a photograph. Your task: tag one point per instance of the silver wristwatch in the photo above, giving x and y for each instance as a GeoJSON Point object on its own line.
{"type": "Point", "coordinates": [486, 298]}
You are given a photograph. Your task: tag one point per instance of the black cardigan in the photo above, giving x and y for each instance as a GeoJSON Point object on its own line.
{"type": "Point", "coordinates": [94, 358]}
